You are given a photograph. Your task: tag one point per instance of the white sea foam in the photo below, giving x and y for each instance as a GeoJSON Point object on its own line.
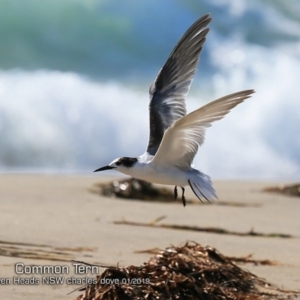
{"type": "Point", "coordinates": [63, 121]}
{"type": "Point", "coordinates": [266, 128]}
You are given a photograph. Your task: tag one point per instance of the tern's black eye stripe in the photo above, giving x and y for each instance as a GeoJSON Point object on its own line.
{"type": "Point", "coordinates": [127, 161]}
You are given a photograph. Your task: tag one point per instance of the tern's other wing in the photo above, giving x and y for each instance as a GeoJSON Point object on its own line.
{"type": "Point", "coordinates": [172, 84]}
{"type": "Point", "coordinates": [181, 141]}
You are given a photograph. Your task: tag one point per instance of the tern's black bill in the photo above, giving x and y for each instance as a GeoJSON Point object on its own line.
{"type": "Point", "coordinates": [104, 168]}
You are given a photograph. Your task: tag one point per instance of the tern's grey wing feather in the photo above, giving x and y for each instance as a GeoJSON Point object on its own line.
{"type": "Point", "coordinates": [172, 84]}
{"type": "Point", "coordinates": [181, 141]}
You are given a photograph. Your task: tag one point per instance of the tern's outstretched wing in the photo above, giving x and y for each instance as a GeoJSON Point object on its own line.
{"type": "Point", "coordinates": [172, 84]}
{"type": "Point", "coordinates": [181, 141]}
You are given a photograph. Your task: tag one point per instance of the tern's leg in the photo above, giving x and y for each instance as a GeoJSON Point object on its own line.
{"type": "Point", "coordinates": [183, 198]}
{"type": "Point", "coordinates": [175, 192]}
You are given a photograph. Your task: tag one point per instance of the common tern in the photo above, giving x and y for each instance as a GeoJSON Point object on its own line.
{"type": "Point", "coordinates": [174, 135]}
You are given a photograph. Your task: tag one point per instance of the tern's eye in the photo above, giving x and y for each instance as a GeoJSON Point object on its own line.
{"type": "Point", "coordinates": [118, 163]}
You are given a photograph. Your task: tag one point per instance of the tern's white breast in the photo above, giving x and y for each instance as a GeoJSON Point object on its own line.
{"type": "Point", "coordinates": [157, 174]}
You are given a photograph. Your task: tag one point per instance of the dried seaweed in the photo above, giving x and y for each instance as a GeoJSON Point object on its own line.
{"type": "Point", "coordinates": [248, 259]}
{"type": "Point", "coordinates": [135, 189]}
{"type": "Point", "coordinates": [188, 272]}
{"type": "Point", "coordinates": [205, 229]}
{"type": "Point", "coordinates": [39, 251]}
{"type": "Point", "coordinates": [131, 188]}
{"type": "Point", "coordinates": [290, 190]}
{"type": "Point", "coordinates": [241, 260]}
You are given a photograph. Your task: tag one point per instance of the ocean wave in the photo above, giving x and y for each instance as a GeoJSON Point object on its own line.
{"type": "Point", "coordinates": [65, 121]}
{"type": "Point", "coordinates": [113, 39]}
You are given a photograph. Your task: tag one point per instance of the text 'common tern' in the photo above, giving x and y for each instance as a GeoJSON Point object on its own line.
{"type": "Point", "coordinates": [174, 135]}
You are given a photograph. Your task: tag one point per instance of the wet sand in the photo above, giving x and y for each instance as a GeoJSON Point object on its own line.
{"type": "Point", "coordinates": [56, 217]}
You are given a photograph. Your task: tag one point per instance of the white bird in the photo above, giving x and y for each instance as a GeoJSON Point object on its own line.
{"type": "Point", "coordinates": [174, 136]}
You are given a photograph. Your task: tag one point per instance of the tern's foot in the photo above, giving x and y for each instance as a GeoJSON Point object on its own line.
{"type": "Point", "coordinates": [183, 198]}
{"type": "Point", "coordinates": [175, 192]}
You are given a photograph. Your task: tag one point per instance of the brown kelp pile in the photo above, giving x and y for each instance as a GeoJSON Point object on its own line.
{"type": "Point", "coordinates": [131, 188]}
{"type": "Point", "coordinates": [187, 272]}
{"type": "Point", "coordinates": [289, 190]}
{"type": "Point", "coordinates": [135, 189]}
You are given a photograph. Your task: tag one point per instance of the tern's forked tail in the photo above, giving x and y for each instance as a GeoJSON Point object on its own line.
{"type": "Point", "coordinates": [201, 185]}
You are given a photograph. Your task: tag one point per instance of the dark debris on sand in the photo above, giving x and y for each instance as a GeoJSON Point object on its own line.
{"type": "Point", "coordinates": [131, 188]}
{"type": "Point", "coordinates": [136, 189]}
{"type": "Point", "coordinates": [187, 272]}
{"type": "Point", "coordinates": [289, 190]}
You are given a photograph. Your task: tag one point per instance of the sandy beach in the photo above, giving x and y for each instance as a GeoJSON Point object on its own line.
{"type": "Point", "coordinates": [49, 220]}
